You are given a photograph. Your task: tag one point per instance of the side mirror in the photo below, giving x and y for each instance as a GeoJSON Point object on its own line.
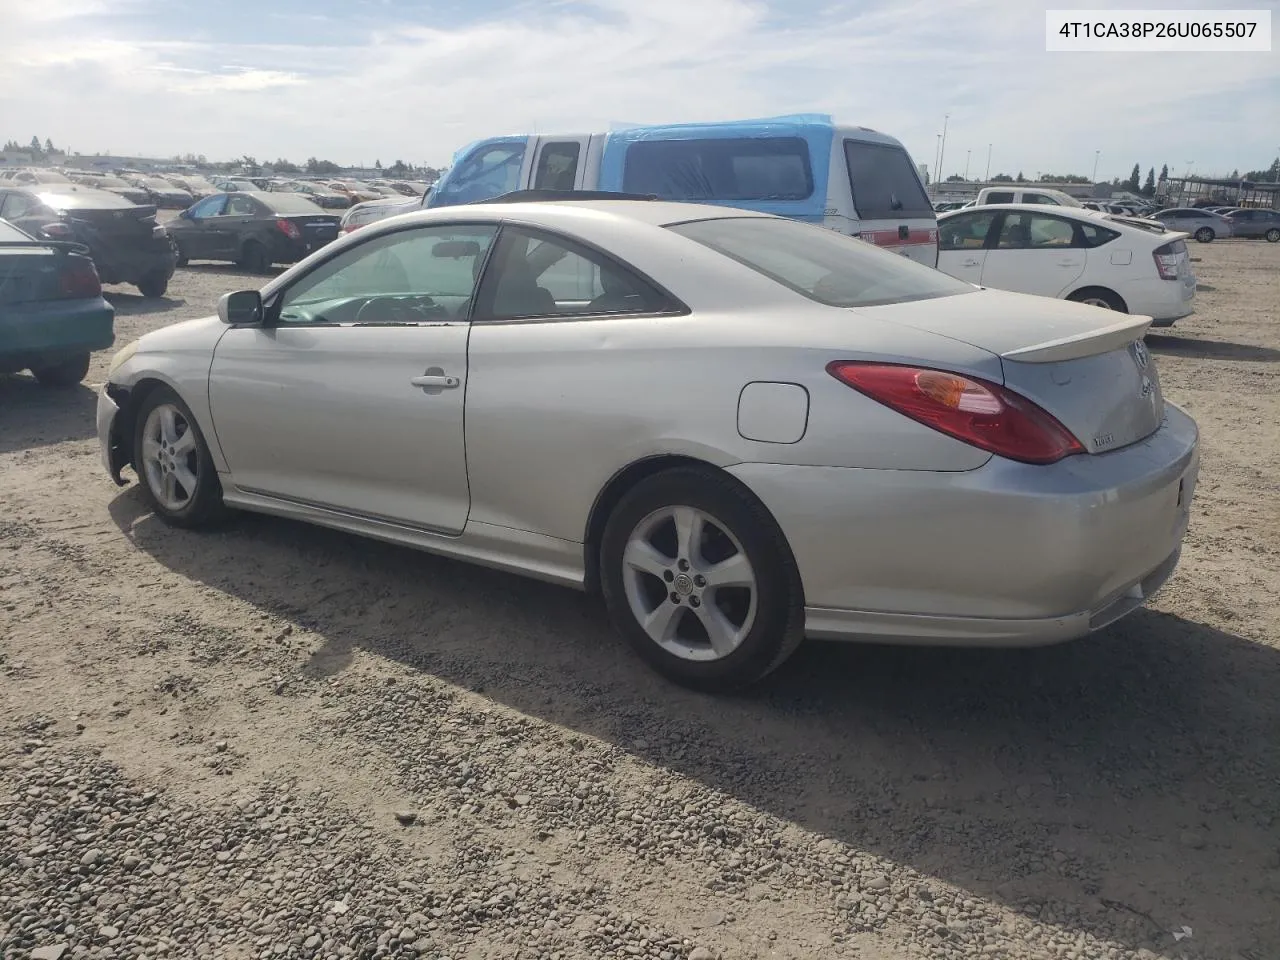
{"type": "Point", "coordinates": [241, 307]}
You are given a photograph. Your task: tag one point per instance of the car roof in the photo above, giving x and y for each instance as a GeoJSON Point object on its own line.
{"type": "Point", "coordinates": [658, 213]}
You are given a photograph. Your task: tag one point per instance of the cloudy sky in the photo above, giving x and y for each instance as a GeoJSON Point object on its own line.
{"type": "Point", "coordinates": [358, 80]}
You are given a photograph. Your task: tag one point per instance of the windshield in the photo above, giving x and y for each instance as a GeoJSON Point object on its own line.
{"type": "Point", "coordinates": [110, 182]}
{"type": "Point", "coordinates": [157, 183]}
{"type": "Point", "coordinates": [84, 200]}
{"type": "Point", "coordinates": [821, 264]}
{"type": "Point", "coordinates": [489, 171]}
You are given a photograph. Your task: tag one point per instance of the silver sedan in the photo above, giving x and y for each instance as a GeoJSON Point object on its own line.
{"type": "Point", "coordinates": [739, 429]}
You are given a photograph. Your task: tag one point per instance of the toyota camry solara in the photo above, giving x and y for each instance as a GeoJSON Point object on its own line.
{"type": "Point", "coordinates": [740, 430]}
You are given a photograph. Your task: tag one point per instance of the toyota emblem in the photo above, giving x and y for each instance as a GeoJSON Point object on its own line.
{"type": "Point", "coordinates": [1140, 354]}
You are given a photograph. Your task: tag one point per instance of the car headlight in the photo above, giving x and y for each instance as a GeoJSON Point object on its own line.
{"type": "Point", "coordinates": [122, 355]}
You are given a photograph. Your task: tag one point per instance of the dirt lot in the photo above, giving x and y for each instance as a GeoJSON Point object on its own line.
{"type": "Point", "coordinates": [277, 741]}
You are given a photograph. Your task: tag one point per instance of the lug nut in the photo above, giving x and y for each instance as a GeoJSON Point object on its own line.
{"type": "Point", "coordinates": [668, 576]}
{"type": "Point", "coordinates": [695, 602]}
{"type": "Point", "coordinates": [700, 581]}
{"type": "Point", "coordinates": [675, 597]}
{"type": "Point", "coordinates": [684, 565]}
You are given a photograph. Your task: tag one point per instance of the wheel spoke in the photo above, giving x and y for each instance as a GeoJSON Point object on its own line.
{"type": "Point", "coordinates": [689, 525]}
{"type": "Point", "coordinates": [150, 448]}
{"type": "Point", "coordinates": [734, 572]}
{"type": "Point", "coordinates": [662, 621]}
{"type": "Point", "coordinates": [643, 556]}
{"type": "Point", "coordinates": [722, 634]}
{"type": "Point", "coordinates": [185, 443]}
{"type": "Point", "coordinates": [187, 479]}
{"type": "Point", "coordinates": [168, 424]}
{"type": "Point", "coordinates": [170, 489]}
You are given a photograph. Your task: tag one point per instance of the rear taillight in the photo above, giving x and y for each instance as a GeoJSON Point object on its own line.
{"type": "Point", "coordinates": [1166, 258]}
{"type": "Point", "coordinates": [58, 231]}
{"type": "Point", "coordinates": [79, 278]}
{"type": "Point", "coordinates": [289, 229]}
{"type": "Point", "coordinates": [974, 411]}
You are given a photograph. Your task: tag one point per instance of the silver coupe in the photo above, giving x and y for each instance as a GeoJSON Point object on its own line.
{"type": "Point", "coordinates": [739, 429]}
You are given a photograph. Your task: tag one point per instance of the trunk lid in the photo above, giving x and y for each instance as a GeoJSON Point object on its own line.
{"type": "Point", "coordinates": [317, 230]}
{"type": "Point", "coordinates": [1086, 366]}
{"type": "Point", "coordinates": [129, 225]}
{"type": "Point", "coordinates": [28, 273]}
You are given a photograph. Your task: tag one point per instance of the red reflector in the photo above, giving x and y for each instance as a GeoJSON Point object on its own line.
{"type": "Point", "coordinates": [977, 412]}
{"type": "Point", "coordinates": [79, 278]}
{"type": "Point", "coordinates": [289, 229]}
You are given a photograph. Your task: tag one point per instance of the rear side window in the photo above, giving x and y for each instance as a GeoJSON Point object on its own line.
{"type": "Point", "coordinates": [557, 166]}
{"type": "Point", "coordinates": [1094, 235]}
{"type": "Point", "coordinates": [821, 264]}
{"type": "Point", "coordinates": [726, 170]}
{"type": "Point", "coordinates": [17, 205]}
{"type": "Point", "coordinates": [885, 185]}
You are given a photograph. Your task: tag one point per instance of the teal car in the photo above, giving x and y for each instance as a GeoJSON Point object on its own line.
{"type": "Point", "coordinates": [52, 312]}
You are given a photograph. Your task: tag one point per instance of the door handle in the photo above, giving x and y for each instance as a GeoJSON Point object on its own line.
{"type": "Point", "coordinates": [969, 263]}
{"type": "Point", "coordinates": [437, 381]}
{"type": "Point", "coordinates": [1068, 263]}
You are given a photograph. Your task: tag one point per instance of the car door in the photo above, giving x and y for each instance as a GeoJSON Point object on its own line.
{"type": "Point", "coordinates": [962, 243]}
{"type": "Point", "coordinates": [238, 220]}
{"type": "Point", "coordinates": [1036, 253]}
{"type": "Point", "coordinates": [350, 397]}
{"type": "Point", "coordinates": [194, 229]}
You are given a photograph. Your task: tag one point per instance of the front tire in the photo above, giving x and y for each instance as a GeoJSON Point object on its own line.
{"type": "Point", "coordinates": [1205, 234]}
{"type": "Point", "coordinates": [66, 373]}
{"type": "Point", "coordinates": [1272, 235]}
{"type": "Point", "coordinates": [700, 581]}
{"type": "Point", "coordinates": [171, 458]}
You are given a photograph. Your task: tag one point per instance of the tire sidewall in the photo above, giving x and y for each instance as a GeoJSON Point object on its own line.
{"type": "Point", "coordinates": [1272, 236]}
{"type": "Point", "coordinates": [208, 495]}
{"type": "Point", "coordinates": [1205, 235]}
{"type": "Point", "coordinates": [1112, 300]}
{"type": "Point", "coordinates": [779, 609]}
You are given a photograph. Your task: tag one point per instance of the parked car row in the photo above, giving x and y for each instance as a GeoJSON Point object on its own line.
{"type": "Point", "coordinates": [254, 229]}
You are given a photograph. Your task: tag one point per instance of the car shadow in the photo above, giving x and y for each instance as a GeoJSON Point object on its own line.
{"type": "Point", "coordinates": [216, 268]}
{"type": "Point", "coordinates": [1118, 785]}
{"type": "Point", "coordinates": [1210, 349]}
{"type": "Point", "coordinates": [35, 416]}
{"type": "Point", "coordinates": [134, 304]}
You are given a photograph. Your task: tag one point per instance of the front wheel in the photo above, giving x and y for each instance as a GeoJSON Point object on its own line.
{"type": "Point", "coordinates": [65, 373]}
{"type": "Point", "coordinates": [1205, 234]}
{"type": "Point", "coordinates": [700, 581]}
{"type": "Point", "coordinates": [172, 460]}
{"type": "Point", "coordinates": [1273, 235]}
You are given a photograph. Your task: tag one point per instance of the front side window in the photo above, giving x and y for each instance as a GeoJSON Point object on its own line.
{"type": "Point", "coordinates": [885, 184]}
{"type": "Point", "coordinates": [725, 170]}
{"type": "Point", "coordinates": [1033, 231]}
{"type": "Point", "coordinates": [542, 275]}
{"type": "Point", "coordinates": [557, 166]}
{"type": "Point", "coordinates": [966, 231]}
{"type": "Point", "coordinates": [211, 207]}
{"type": "Point", "coordinates": [1000, 196]}
{"type": "Point", "coordinates": [1041, 198]}
{"type": "Point", "coordinates": [489, 171]}
{"type": "Point", "coordinates": [820, 264]}
{"type": "Point", "coordinates": [410, 276]}
{"type": "Point", "coordinates": [241, 207]}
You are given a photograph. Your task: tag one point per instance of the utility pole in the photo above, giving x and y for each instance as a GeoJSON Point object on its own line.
{"type": "Point", "coordinates": [937, 154]}
{"type": "Point", "coordinates": [967, 155]}
{"type": "Point", "coordinates": [987, 176]}
{"type": "Point", "coordinates": [942, 147]}
{"type": "Point", "coordinates": [1096, 155]}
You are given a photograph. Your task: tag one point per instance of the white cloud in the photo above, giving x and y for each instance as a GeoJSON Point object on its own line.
{"type": "Point", "coordinates": [416, 92]}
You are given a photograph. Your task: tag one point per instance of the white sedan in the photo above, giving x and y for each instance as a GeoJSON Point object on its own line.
{"type": "Point", "coordinates": [1117, 262]}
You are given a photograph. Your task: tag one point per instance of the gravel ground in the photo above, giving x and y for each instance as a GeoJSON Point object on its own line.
{"type": "Point", "coordinates": [279, 741]}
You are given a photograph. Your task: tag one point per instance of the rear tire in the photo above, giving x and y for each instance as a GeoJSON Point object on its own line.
{"type": "Point", "coordinates": [67, 373]}
{"type": "Point", "coordinates": [1272, 235]}
{"type": "Point", "coordinates": [651, 574]}
{"type": "Point", "coordinates": [172, 461]}
{"type": "Point", "coordinates": [255, 258]}
{"type": "Point", "coordinates": [154, 284]}
{"type": "Point", "coordinates": [1100, 297]}
{"type": "Point", "coordinates": [1205, 234]}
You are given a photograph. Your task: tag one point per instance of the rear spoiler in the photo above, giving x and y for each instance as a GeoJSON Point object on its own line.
{"type": "Point", "coordinates": [1087, 344]}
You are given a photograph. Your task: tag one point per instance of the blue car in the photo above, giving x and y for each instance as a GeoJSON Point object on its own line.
{"type": "Point", "coordinates": [52, 313]}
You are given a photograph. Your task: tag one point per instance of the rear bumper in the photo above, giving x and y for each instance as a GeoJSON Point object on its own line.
{"type": "Point", "coordinates": [1162, 300]}
{"type": "Point", "coordinates": [33, 334]}
{"type": "Point", "coordinates": [1008, 554]}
